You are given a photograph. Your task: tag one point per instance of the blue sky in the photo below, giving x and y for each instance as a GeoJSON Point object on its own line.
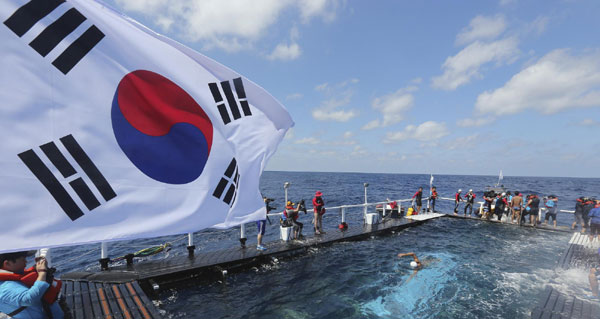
{"type": "Point", "coordinates": [442, 87]}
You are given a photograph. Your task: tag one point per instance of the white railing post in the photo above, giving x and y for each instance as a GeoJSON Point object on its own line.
{"type": "Point", "coordinates": [243, 235]}
{"type": "Point", "coordinates": [104, 256]}
{"type": "Point", "coordinates": [190, 246]}
{"type": "Point", "coordinates": [365, 185]}
{"type": "Point", "coordinates": [343, 214]}
{"type": "Point", "coordinates": [286, 185]}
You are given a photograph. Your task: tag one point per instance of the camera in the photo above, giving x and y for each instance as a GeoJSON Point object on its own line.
{"type": "Point", "coordinates": [302, 206]}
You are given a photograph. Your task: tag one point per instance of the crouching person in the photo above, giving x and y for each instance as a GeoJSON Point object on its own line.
{"type": "Point", "coordinates": [28, 293]}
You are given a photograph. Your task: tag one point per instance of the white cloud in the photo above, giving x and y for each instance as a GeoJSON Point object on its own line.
{"type": "Point", "coordinates": [359, 151]}
{"type": "Point", "coordinates": [294, 96]}
{"type": "Point", "coordinates": [392, 107]}
{"type": "Point", "coordinates": [371, 125]}
{"type": "Point", "coordinates": [289, 134]}
{"type": "Point", "coordinates": [285, 52]}
{"type": "Point", "coordinates": [348, 134]}
{"type": "Point", "coordinates": [539, 25]}
{"type": "Point", "coordinates": [230, 25]}
{"type": "Point", "coordinates": [428, 131]}
{"type": "Point", "coordinates": [465, 142]}
{"type": "Point", "coordinates": [482, 28]}
{"type": "Point", "coordinates": [470, 122]}
{"type": "Point", "coordinates": [558, 81]}
{"type": "Point", "coordinates": [461, 68]}
{"type": "Point", "coordinates": [507, 2]}
{"type": "Point", "coordinates": [589, 122]}
{"type": "Point", "coordinates": [308, 140]}
{"type": "Point", "coordinates": [332, 109]}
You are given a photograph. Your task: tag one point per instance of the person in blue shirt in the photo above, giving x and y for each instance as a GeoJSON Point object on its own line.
{"type": "Point", "coordinates": [18, 300]}
{"type": "Point", "coordinates": [594, 216]}
{"type": "Point", "coordinates": [552, 209]}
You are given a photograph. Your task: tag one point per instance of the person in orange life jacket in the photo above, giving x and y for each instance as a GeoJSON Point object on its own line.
{"type": "Point", "coordinates": [26, 293]}
{"type": "Point", "coordinates": [457, 200]}
{"type": "Point", "coordinates": [319, 210]}
{"type": "Point", "coordinates": [470, 199]}
{"type": "Point", "coordinates": [292, 215]}
{"type": "Point", "coordinates": [417, 198]}
{"type": "Point", "coordinates": [432, 198]}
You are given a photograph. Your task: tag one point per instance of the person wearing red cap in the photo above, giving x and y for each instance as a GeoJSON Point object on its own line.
{"type": "Point", "coordinates": [319, 209]}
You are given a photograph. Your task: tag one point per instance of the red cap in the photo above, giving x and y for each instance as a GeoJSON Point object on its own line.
{"type": "Point", "coordinates": [318, 193]}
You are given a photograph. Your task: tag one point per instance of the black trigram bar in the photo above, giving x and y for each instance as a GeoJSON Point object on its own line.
{"type": "Point", "coordinates": [57, 31]}
{"type": "Point", "coordinates": [231, 178]}
{"type": "Point", "coordinates": [45, 176]}
{"type": "Point", "coordinates": [231, 100]}
{"type": "Point", "coordinates": [58, 159]}
{"type": "Point", "coordinates": [85, 193]}
{"type": "Point", "coordinates": [78, 49]}
{"type": "Point", "coordinates": [88, 167]}
{"type": "Point", "coordinates": [28, 15]}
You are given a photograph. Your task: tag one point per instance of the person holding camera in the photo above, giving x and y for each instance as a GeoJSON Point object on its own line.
{"type": "Point", "coordinates": [291, 214]}
{"type": "Point", "coordinates": [28, 293]}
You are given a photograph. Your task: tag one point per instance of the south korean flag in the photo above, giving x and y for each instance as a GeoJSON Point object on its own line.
{"type": "Point", "coordinates": [111, 131]}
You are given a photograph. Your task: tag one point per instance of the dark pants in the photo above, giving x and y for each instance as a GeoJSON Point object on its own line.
{"type": "Point", "coordinates": [297, 226]}
{"type": "Point", "coordinates": [432, 204]}
{"type": "Point", "coordinates": [469, 206]}
{"type": "Point", "coordinates": [456, 204]}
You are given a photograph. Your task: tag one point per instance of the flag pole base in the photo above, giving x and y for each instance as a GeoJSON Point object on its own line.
{"type": "Point", "coordinates": [129, 259]}
{"type": "Point", "coordinates": [190, 250]}
{"type": "Point", "coordinates": [104, 263]}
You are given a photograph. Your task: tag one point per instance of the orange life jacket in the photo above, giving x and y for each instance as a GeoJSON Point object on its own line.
{"type": "Point", "coordinates": [29, 277]}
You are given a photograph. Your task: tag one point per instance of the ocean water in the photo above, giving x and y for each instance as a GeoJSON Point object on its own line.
{"type": "Point", "coordinates": [477, 269]}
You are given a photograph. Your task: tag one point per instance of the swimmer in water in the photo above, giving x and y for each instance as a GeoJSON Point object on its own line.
{"type": "Point", "coordinates": [416, 263]}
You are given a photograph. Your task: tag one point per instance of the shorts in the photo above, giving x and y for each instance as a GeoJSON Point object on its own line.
{"type": "Point", "coordinates": [578, 218]}
{"type": "Point", "coordinates": [418, 202]}
{"type": "Point", "coordinates": [553, 216]}
{"type": "Point", "coordinates": [595, 229]}
{"type": "Point", "coordinates": [261, 225]}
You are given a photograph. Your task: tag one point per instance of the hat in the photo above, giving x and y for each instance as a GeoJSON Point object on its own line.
{"type": "Point", "coordinates": [318, 193]}
{"type": "Point", "coordinates": [470, 190]}
{"type": "Point", "coordinates": [459, 190]}
{"type": "Point", "coordinates": [289, 203]}
{"type": "Point", "coordinates": [503, 194]}
{"type": "Point", "coordinates": [413, 264]}
{"type": "Point", "coordinates": [15, 255]}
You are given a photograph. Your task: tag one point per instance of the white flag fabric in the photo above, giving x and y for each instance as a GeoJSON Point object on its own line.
{"type": "Point", "coordinates": [500, 177]}
{"type": "Point", "coordinates": [431, 181]}
{"type": "Point", "coordinates": [111, 131]}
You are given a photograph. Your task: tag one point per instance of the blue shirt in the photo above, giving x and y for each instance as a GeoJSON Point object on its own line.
{"type": "Point", "coordinates": [14, 294]}
{"type": "Point", "coordinates": [595, 215]}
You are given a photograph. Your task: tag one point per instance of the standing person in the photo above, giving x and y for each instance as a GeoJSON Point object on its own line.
{"type": "Point", "coordinates": [588, 205]}
{"type": "Point", "coordinates": [417, 198]}
{"type": "Point", "coordinates": [457, 200]}
{"type": "Point", "coordinates": [517, 207]}
{"type": "Point", "coordinates": [509, 198]}
{"type": "Point", "coordinates": [319, 210]}
{"type": "Point", "coordinates": [595, 221]}
{"type": "Point", "coordinates": [501, 203]}
{"type": "Point", "coordinates": [432, 199]}
{"type": "Point", "coordinates": [579, 214]}
{"type": "Point", "coordinates": [22, 298]}
{"type": "Point", "coordinates": [470, 200]}
{"type": "Point", "coordinates": [534, 205]}
{"type": "Point", "coordinates": [292, 215]}
{"type": "Point", "coordinates": [552, 209]}
{"type": "Point", "coordinates": [261, 225]}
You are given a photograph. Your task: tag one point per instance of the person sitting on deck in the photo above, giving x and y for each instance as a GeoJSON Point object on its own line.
{"type": "Point", "coordinates": [26, 293]}
{"type": "Point", "coordinates": [291, 214]}
{"type": "Point", "coordinates": [595, 221]}
{"type": "Point", "coordinates": [417, 199]}
{"type": "Point", "coordinates": [552, 209]}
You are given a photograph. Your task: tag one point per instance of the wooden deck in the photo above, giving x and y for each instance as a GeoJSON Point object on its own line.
{"type": "Point", "coordinates": [556, 305]}
{"type": "Point", "coordinates": [85, 299]}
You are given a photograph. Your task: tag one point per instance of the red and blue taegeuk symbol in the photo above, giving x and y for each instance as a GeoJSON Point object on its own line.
{"type": "Point", "coordinates": [160, 128]}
